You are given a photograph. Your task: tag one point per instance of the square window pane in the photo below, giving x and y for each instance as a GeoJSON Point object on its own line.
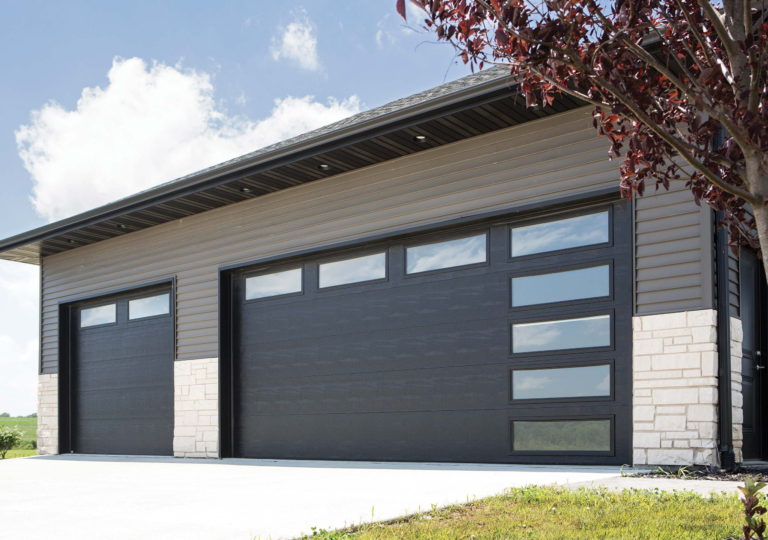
{"type": "Point", "coordinates": [561, 286]}
{"type": "Point", "coordinates": [459, 252]}
{"type": "Point", "coordinates": [562, 335]}
{"type": "Point", "coordinates": [562, 234]}
{"type": "Point", "coordinates": [562, 436]}
{"type": "Point", "coordinates": [98, 315]}
{"type": "Point", "coordinates": [151, 306]}
{"type": "Point", "coordinates": [584, 381]}
{"type": "Point", "coordinates": [276, 284]}
{"type": "Point", "coordinates": [355, 270]}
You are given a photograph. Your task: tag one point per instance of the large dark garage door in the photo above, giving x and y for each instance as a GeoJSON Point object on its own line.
{"type": "Point", "coordinates": [121, 363]}
{"type": "Point", "coordinates": [501, 342]}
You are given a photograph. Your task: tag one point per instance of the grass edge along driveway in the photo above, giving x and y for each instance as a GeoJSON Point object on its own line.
{"type": "Point", "coordinates": [539, 513]}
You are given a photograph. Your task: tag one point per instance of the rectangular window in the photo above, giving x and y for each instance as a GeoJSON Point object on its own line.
{"type": "Point", "coordinates": [561, 286]}
{"type": "Point", "coordinates": [152, 306]}
{"type": "Point", "coordinates": [367, 268]}
{"type": "Point", "coordinates": [459, 252]}
{"type": "Point", "coordinates": [561, 435]}
{"type": "Point", "coordinates": [559, 235]}
{"type": "Point", "coordinates": [560, 335]}
{"type": "Point", "coordinates": [98, 315]}
{"type": "Point", "coordinates": [277, 284]}
{"type": "Point", "coordinates": [552, 383]}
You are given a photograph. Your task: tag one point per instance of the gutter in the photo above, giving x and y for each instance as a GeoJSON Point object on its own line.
{"type": "Point", "coordinates": [725, 411]}
{"type": "Point", "coordinates": [229, 172]}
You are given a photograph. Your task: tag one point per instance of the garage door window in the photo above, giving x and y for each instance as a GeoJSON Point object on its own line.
{"type": "Point", "coordinates": [561, 383]}
{"type": "Point", "coordinates": [580, 284]}
{"type": "Point", "coordinates": [357, 270]}
{"type": "Point", "coordinates": [449, 254]}
{"type": "Point", "coordinates": [560, 235]}
{"type": "Point", "coordinates": [151, 306]}
{"type": "Point", "coordinates": [98, 316]}
{"type": "Point", "coordinates": [561, 436]}
{"type": "Point", "coordinates": [564, 334]}
{"type": "Point", "coordinates": [275, 284]}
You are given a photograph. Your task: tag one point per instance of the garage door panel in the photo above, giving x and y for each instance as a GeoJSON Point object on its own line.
{"type": "Point", "coordinates": [414, 436]}
{"type": "Point", "coordinates": [464, 343]}
{"type": "Point", "coordinates": [388, 308]}
{"type": "Point", "coordinates": [124, 373]}
{"type": "Point", "coordinates": [116, 342]}
{"type": "Point", "coordinates": [137, 402]}
{"type": "Point", "coordinates": [122, 436]}
{"type": "Point", "coordinates": [462, 388]}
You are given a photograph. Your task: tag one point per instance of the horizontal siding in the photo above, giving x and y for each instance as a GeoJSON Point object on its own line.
{"type": "Point", "coordinates": [532, 163]}
{"type": "Point", "coordinates": [669, 272]}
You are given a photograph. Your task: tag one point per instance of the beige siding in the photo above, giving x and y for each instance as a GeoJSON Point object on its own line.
{"type": "Point", "coordinates": [673, 253]}
{"type": "Point", "coordinates": [547, 159]}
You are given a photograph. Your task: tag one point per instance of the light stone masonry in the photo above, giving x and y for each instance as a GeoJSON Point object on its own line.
{"type": "Point", "coordinates": [675, 388]}
{"type": "Point", "coordinates": [48, 414]}
{"type": "Point", "coordinates": [196, 408]}
{"type": "Point", "coordinates": [737, 401]}
{"type": "Point", "coordinates": [675, 392]}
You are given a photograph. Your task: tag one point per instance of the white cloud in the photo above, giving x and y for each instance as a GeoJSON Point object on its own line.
{"type": "Point", "coordinates": [19, 293]}
{"type": "Point", "coordinates": [149, 125]}
{"type": "Point", "coordinates": [297, 43]}
{"type": "Point", "coordinates": [383, 36]}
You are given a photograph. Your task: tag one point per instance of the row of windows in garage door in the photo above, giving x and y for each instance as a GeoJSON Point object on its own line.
{"type": "Point", "coordinates": [573, 379]}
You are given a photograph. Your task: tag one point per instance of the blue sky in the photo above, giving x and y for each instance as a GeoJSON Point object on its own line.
{"type": "Point", "coordinates": [206, 89]}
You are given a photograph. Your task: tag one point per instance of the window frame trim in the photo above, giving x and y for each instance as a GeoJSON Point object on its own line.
{"type": "Point", "coordinates": [561, 217]}
{"type": "Point", "coordinates": [347, 257]}
{"type": "Point", "coordinates": [611, 363]}
{"type": "Point", "coordinates": [558, 269]}
{"type": "Point", "coordinates": [149, 295]}
{"type": "Point", "coordinates": [565, 418]}
{"type": "Point", "coordinates": [610, 312]}
{"type": "Point", "coordinates": [274, 270]}
{"type": "Point", "coordinates": [442, 237]}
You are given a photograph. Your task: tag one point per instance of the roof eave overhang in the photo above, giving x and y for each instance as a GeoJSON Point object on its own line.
{"type": "Point", "coordinates": [207, 178]}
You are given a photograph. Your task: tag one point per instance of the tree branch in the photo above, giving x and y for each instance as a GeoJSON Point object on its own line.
{"type": "Point", "coordinates": [676, 144]}
{"type": "Point", "coordinates": [731, 47]}
{"type": "Point", "coordinates": [695, 31]}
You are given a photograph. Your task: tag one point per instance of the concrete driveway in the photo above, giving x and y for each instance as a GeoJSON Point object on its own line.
{"type": "Point", "coordinates": [68, 497]}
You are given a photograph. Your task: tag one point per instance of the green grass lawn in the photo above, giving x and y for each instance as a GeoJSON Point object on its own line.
{"type": "Point", "coordinates": [546, 513]}
{"type": "Point", "coordinates": [20, 452]}
{"type": "Point", "coordinates": [28, 426]}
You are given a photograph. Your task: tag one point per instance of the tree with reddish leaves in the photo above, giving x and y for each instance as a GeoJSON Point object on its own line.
{"type": "Point", "coordinates": [680, 83]}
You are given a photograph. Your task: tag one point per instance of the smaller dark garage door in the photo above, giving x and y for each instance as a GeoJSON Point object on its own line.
{"type": "Point", "coordinates": [121, 366]}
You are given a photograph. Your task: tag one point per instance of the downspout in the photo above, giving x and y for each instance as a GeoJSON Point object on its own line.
{"type": "Point", "coordinates": [725, 412]}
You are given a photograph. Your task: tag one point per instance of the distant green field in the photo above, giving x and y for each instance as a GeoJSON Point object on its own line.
{"type": "Point", "coordinates": [27, 425]}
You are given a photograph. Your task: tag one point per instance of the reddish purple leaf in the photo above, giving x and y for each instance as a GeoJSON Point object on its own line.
{"type": "Point", "coordinates": [401, 9]}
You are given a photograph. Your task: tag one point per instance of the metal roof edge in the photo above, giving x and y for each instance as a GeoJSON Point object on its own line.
{"type": "Point", "coordinates": [198, 180]}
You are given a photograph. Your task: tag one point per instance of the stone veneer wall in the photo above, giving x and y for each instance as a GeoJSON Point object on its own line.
{"type": "Point", "coordinates": [675, 388]}
{"type": "Point", "coordinates": [675, 393]}
{"type": "Point", "coordinates": [196, 408]}
{"type": "Point", "coordinates": [737, 401]}
{"type": "Point", "coordinates": [48, 414]}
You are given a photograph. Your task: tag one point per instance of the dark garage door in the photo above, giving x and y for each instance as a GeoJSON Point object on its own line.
{"type": "Point", "coordinates": [122, 375]}
{"type": "Point", "coordinates": [502, 342]}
